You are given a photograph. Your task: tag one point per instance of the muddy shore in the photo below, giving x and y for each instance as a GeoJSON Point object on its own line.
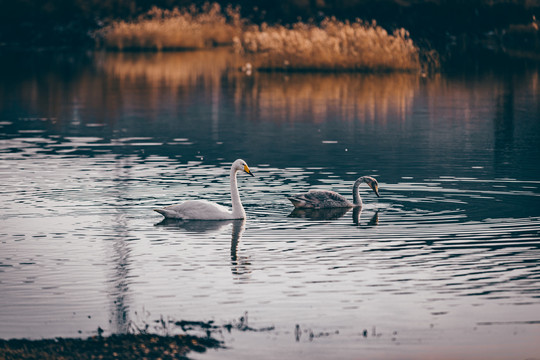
{"type": "Point", "coordinates": [128, 346]}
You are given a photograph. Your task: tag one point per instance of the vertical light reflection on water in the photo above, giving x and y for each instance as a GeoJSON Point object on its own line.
{"type": "Point", "coordinates": [121, 253]}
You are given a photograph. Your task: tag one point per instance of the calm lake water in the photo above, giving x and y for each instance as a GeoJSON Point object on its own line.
{"type": "Point", "coordinates": [445, 264]}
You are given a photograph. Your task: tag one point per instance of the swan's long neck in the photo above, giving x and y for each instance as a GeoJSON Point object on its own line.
{"type": "Point", "coordinates": [357, 199]}
{"type": "Point", "coordinates": [238, 211]}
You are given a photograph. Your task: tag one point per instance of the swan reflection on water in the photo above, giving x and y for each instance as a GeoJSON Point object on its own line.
{"type": "Point", "coordinates": [195, 226]}
{"type": "Point", "coordinates": [333, 214]}
{"type": "Point", "coordinates": [374, 221]}
{"type": "Point", "coordinates": [239, 264]}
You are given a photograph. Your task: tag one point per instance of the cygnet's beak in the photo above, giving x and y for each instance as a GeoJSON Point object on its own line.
{"type": "Point", "coordinates": [247, 171]}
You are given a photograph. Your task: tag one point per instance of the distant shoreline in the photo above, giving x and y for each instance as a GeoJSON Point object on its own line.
{"type": "Point", "coordinates": [30, 23]}
{"type": "Point", "coordinates": [455, 31]}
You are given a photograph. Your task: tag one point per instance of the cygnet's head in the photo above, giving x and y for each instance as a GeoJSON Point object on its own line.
{"type": "Point", "coordinates": [241, 165]}
{"type": "Point", "coordinates": [373, 184]}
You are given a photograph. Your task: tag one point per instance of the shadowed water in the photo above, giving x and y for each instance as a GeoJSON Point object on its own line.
{"type": "Point", "coordinates": [446, 261]}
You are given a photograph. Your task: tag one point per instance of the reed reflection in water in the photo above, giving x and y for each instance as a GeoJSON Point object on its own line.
{"type": "Point", "coordinates": [280, 97]}
{"type": "Point", "coordinates": [169, 69]}
{"type": "Point", "coordinates": [317, 97]}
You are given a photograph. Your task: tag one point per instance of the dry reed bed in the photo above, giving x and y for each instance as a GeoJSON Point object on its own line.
{"type": "Point", "coordinates": [187, 28]}
{"type": "Point", "coordinates": [331, 46]}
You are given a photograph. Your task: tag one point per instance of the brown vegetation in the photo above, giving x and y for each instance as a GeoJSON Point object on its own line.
{"type": "Point", "coordinates": [187, 28]}
{"type": "Point", "coordinates": [332, 46]}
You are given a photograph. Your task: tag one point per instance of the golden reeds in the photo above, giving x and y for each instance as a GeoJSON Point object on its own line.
{"type": "Point", "coordinates": [187, 28]}
{"type": "Point", "coordinates": [331, 46]}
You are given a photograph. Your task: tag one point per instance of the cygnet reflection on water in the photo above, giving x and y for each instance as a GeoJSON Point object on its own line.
{"type": "Point", "coordinates": [333, 214]}
{"type": "Point", "coordinates": [319, 214]}
{"type": "Point", "coordinates": [373, 221]}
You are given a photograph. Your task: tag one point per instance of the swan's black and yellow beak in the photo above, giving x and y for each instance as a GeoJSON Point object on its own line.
{"type": "Point", "coordinates": [247, 171]}
{"type": "Point", "coordinates": [375, 187]}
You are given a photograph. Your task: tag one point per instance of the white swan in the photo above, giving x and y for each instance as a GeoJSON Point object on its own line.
{"type": "Point", "coordinates": [206, 210]}
{"type": "Point", "coordinates": [322, 199]}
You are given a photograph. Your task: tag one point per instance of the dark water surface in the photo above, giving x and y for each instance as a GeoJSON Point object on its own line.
{"type": "Point", "coordinates": [445, 264]}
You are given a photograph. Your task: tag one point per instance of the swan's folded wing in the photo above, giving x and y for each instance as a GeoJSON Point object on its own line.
{"type": "Point", "coordinates": [196, 210]}
{"type": "Point", "coordinates": [168, 214]}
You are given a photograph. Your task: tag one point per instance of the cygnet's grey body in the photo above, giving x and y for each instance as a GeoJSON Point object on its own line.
{"type": "Point", "coordinates": [322, 199]}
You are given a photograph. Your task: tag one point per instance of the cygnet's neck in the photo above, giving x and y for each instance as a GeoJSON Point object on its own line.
{"type": "Point", "coordinates": [238, 211]}
{"type": "Point", "coordinates": [357, 199]}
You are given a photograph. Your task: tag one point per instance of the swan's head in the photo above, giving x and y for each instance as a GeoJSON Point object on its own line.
{"type": "Point", "coordinates": [373, 184]}
{"type": "Point", "coordinates": [241, 165]}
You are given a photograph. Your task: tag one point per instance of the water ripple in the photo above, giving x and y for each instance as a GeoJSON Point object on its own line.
{"type": "Point", "coordinates": [451, 246]}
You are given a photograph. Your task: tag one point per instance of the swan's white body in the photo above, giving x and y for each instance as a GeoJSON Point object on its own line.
{"type": "Point", "coordinates": [206, 210]}
{"type": "Point", "coordinates": [198, 210]}
{"type": "Point", "coordinates": [322, 199]}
